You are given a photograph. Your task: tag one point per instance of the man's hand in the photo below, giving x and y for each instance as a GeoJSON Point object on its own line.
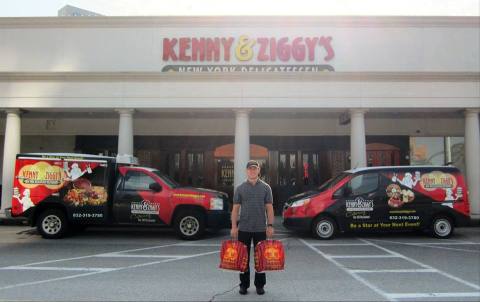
{"type": "Point", "coordinates": [270, 232]}
{"type": "Point", "coordinates": [234, 232]}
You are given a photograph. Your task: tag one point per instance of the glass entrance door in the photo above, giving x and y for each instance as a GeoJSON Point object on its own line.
{"type": "Point", "coordinates": [287, 178]}
{"type": "Point", "coordinates": [310, 171]}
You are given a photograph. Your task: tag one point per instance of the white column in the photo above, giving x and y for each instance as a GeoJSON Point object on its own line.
{"type": "Point", "coordinates": [358, 152]}
{"type": "Point", "coordinates": [10, 150]}
{"type": "Point", "coordinates": [242, 145]}
{"type": "Point", "coordinates": [472, 160]}
{"type": "Point", "coordinates": [125, 132]}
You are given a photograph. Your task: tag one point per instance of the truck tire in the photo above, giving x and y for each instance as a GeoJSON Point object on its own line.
{"type": "Point", "coordinates": [52, 224]}
{"type": "Point", "coordinates": [324, 227]}
{"type": "Point", "coordinates": [189, 224]}
{"type": "Point", "coordinates": [441, 227]}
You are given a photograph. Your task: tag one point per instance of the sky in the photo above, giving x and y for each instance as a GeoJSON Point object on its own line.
{"type": "Point", "coordinates": [29, 8]}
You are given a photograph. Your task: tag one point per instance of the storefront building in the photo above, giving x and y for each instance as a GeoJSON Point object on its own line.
{"type": "Point", "coordinates": [196, 97]}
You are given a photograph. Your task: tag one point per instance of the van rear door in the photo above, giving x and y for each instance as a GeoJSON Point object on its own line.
{"type": "Point", "coordinates": [405, 207]}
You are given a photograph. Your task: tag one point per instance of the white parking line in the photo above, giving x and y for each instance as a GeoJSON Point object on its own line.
{"type": "Point", "coordinates": [443, 243]}
{"type": "Point", "coordinates": [118, 255]}
{"type": "Point", "coordinates": [392, 254]}
{"type": "Point", "coordinates": [362, 256]}
{"type": "Point", "coordinates": [48, 280]}
{"type": "Point", "coordinates": [339, 244]}
{"type": "Point", "coordinates": [200, 244]}
{"type": "Point", "coordinates": [365, 271]}
{"type": "Point", "coordinates": [434, 295]}
{"type": "Point", "coordinates": [100, 272]}
{"type": "Point", "coordinates": [342, 267]}
{"type": "Point", "coordinates": [94, 255]}
{"type": "Point", "coordinates": [434, 245]}
{"type": "Point", "coordinates": [475, 286]}
{"type": "Point", "coordinates": [53, 268]}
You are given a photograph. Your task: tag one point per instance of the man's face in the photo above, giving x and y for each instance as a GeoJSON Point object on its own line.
{"type": "Point", "coordinates": [253, 172]}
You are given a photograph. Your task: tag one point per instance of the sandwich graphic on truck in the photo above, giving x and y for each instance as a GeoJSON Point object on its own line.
{"type": "Point", "coordinates": [61, 192]}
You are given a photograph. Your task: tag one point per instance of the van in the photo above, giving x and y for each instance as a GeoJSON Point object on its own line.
{"type": "Point", "coordinates": [60, 192]}
{"type": "Point", "coordinates": [370, 199]}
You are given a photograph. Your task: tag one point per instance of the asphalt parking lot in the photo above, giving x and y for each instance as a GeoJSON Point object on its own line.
{"type": "Point", "coordinates": [135, 264]}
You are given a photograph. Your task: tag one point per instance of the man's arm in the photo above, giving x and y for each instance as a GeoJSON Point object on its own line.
{"type": "Point", "coordinates": [270, 219]}
{"type": "Point", "coordinates": [234, 218]}
{"type": "Point", "coordinates": [270, 215]}
{"type": "Point", "coordinates": [269, 209]}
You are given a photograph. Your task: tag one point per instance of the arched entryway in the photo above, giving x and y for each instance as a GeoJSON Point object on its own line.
{"type": "Point", "coordinates": [382, 155]}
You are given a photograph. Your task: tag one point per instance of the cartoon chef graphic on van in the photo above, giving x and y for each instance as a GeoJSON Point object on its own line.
{"type": "Point", "coordinates": [408, 180]}
{"type": "Point", "coordinates": [25, 201]}
{"type": "Point", "coordinates": [451, 196]}
{"type": "Point", "coordinates": [75, 172]}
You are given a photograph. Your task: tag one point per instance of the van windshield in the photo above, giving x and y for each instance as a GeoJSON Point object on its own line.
{"type": "Point", "coordinates": [169, 181]}
{"type": "Point", "coordinates": [332, 182]}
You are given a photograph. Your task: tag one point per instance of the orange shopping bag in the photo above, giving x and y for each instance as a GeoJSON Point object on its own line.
{"type": "Point", "coordinates": [233, 255]}
{"type": "Point", "coordinates": [269, 256]}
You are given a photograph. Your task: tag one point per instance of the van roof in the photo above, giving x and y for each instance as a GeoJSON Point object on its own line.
{"type": "Point", "coordinates": [356, 170]}
{"type": "Point", "coordinates": [64, 155]}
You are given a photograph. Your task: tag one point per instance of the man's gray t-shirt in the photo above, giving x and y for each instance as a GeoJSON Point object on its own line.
{"type": "Point", "coordinates": [252, 199]}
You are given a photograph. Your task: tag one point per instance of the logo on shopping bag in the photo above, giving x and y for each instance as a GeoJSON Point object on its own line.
{"type": "Point", "coordinates": [231, 254]}
{"type": "Point", "coordinates": [271, 254]}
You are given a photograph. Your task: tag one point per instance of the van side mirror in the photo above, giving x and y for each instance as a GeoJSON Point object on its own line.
{"type": "Point", "coordinates": [155, 187]}
{"type": "Point", "coordinates": [347, 191]}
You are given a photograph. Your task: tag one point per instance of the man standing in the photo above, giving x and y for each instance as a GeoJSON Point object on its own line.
{"type": "Point", "coordinates": [252, 199]}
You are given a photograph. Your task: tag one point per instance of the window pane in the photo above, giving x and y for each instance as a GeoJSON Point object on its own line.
{"type": "Point", "coordinates": [364, 183]}
{"type": "Point", "coordinates": [137, 181]}
{"type": "Point", "coordinates": [190, 162]}
{"type": "Point", "coordinates": [200, 161]}
{"type": "Point", "coordinates": [427, 151]}
{"type": "Point", "coordinates": [306, 172]}
{"type": "Point", "coordinates": [457, 147]}
{"type": "Point", "coordinates": [292, 161]}
{"type": "Point", "coordinates": [283, 161]}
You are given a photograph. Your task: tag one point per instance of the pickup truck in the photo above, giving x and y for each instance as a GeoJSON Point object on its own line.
{"type": "Point", "coordinates": [61, 192]}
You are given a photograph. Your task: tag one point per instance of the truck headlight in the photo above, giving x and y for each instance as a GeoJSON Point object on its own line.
{"type": "Point", "coordinates": [216, 203]}
{"type": "Point", "coordinates": [301, 202]}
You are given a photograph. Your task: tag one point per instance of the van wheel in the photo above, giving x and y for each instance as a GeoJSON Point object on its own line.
{"type": "Point", "coordinates": [324, 228]}
{"type": "Point", "coordinates": [52, 224]}
{"type": "Point", "coordinates": [442, 227]}
{"type": "Point", "coordinates": [189, 225]}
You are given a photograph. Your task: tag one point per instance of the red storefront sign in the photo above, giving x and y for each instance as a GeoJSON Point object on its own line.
{"type": "Point", "coordinates": [244, 49]}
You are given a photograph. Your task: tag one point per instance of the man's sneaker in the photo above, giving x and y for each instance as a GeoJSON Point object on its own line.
{"type": "Point", "coordinates": [260, 291]}
{"type": "Point", "coordinates": [243, 290]}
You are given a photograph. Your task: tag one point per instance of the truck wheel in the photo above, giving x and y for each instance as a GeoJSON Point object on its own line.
{"type": "Point", "coordinates": [324, 228]}
{"type": "Point", "coordinates": [189, 225]}
{"type": "Point", "coordinates": [441, 227]}
{"type": "Point", "coordinates": [52, 224]}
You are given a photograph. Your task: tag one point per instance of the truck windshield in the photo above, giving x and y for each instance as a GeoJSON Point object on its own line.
{"type": "Point", "coordinates": [172, 183]}
{"type": "Point", "coordinates": [332, 182]}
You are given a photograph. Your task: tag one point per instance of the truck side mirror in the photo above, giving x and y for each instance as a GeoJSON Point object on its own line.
{"type": "Point", "coordinates": [155, 187]}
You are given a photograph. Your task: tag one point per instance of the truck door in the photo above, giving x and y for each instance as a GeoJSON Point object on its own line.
{"type": "Point", "coordinates": [134, 200]}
